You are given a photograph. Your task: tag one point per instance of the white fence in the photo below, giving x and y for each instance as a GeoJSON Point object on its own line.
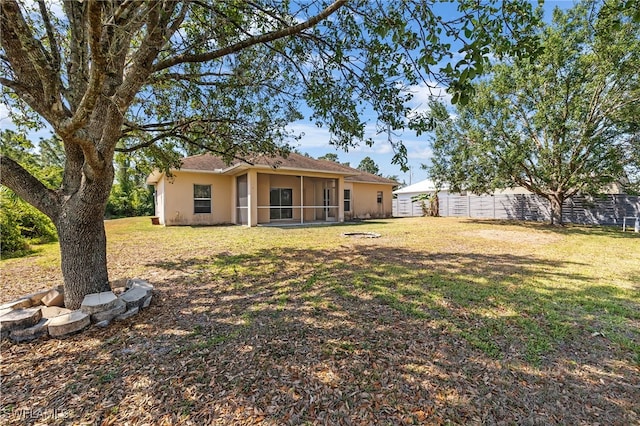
{"type": "Point", "coordinates": [605, 210]}
{"type": "Point", "coordinates": [403, 207]}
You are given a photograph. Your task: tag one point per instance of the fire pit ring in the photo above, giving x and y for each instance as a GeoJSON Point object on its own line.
{"type": "Point", "coordinates": [361, 234]}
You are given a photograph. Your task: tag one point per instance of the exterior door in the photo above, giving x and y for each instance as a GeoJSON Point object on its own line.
{"type": "Point", "coordinates": [281, 202]}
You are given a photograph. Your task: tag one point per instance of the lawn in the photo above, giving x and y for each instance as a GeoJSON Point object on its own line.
{"type": "Point", "coordinates": [438, 321]}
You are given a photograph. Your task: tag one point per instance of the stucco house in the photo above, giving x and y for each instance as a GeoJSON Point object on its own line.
{"type": "Point", "coordinates": [268, 190]}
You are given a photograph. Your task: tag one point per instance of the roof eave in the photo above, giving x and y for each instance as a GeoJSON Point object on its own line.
{"type": "Point", "coordinates": [300, 169]}
{"type": "Point", "coordinates": [154, 177]}
{"type": "Point", "coordinates": [374, 183]}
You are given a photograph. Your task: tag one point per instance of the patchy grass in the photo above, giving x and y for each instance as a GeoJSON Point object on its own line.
{"type": "Point", "coordinates": [439, 321]}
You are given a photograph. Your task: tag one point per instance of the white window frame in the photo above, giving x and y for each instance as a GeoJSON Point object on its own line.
{"type": "Point", "coordinates": [195, 208]}
{"type": "Point", "coordinates": [347, 200]}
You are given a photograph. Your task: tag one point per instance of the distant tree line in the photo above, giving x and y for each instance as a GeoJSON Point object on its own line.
{"type": "Point", "coordinates": [366, 165]}
{"type": "Point", "coordinates": [130, 196]}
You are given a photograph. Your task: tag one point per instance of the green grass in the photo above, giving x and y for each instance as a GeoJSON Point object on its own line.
{"type": "Point", "coordinates": [505, 287]}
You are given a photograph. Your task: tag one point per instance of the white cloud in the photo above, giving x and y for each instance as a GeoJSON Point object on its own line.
{"type": "Point", "coordinates": [318, 137]}
{"type": "Point", "coordinates": [315, 142]}
{"type": "Point", "coordinates": [379, 147]}
{"type": "Point", "coordinates": [424, 92]}
{"type": "Point", "coordinates": [312, 135]}
{"type": "Point", "coordinates": [4, 113]}
{"type": "Point", "coordinates": [422, 154]}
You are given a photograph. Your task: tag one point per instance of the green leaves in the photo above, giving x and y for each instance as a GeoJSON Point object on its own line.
{"type": "Point", "coordinates": [368, 165]}
{"type": "Point", "coordinates": [228, 77]}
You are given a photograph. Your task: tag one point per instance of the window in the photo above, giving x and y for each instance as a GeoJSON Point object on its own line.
{"type": "Point", "coordinates": [202, 198]}
{"type": "Point", "coordinates": [281, 200]}
{"type": "Point", "coordinates": [347, 200]}
{"type": "Point", "coordinates": [379, 197]}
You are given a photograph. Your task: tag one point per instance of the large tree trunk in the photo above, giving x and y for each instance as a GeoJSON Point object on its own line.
{"type": "Point", "coordinates": [83, 242]}
{"type": "Point", "coordinates": [556, 201]}
{"type": "Point", "coordinates": [83, 250]}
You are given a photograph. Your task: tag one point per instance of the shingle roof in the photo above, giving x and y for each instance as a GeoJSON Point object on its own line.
{"type": "Point", "coordinates": [203, 162]}
{"type": "Point", "coordinates": [209, 162]}
{"type": "Point", "coordinates": [370, 178]}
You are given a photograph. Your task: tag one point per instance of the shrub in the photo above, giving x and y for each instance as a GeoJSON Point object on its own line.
{"type": "Point", "coordinates": [35, 225]}
{"type": "Point", "coordinates": [11, 241]}
{"type": "Point", "coordinates": [21, 224]}
{"type": "Point", "coordinates": [129, 202]}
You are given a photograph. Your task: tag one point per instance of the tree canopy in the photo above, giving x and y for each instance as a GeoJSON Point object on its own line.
{"type": "Point", "coordinates": [368, 165]}
{"type": "Point", "coordinates": [563, 124]}
{"type": "Point", "coordinates": [163, 78]}
{"type": "Point", "coordinates": [330, 156]}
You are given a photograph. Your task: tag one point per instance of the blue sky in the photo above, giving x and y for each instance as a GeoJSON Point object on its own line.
{"type": "Point", "coordinates": [315, 140]}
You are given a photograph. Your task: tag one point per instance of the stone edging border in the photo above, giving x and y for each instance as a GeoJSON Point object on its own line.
{"type": "Point", "coordinates": [42, 314]}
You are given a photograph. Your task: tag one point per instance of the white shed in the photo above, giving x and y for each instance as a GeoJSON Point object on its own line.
{"type": "Point", "coordinates": [402, 204]}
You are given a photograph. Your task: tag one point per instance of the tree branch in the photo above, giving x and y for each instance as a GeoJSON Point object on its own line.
{"type": "Point", "coordinates": [122, 13]}
{"type": "Point", "coordinates": [160, 29]}
{"type": "Point", "coordinates": [78, 62]}
{"type": "Point", "coordinates": [55, 53]}
{"type": "Point", "coordinates": [251, 41]}
{"type": "Point", "coordinates": [30, 189]}
{"type": "Point", "coordinates": [526, 123]}
{"type": "Point", "coordinates": [175, 125]}
{"type": "Point", "coordinates": [22, 91]}
{"type": "Point", "coordinates": [30, 63]}
{"type": "Point", "coordinates": [141, 145]}
{"type": "Point", "coordinates": [168, 129]}
{"type": "Point", "coordinates": [96, 73]}
{"type": "Point", "coordinates": [195, 77]}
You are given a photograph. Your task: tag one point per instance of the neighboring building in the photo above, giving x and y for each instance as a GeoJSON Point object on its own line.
{"type": "Point", "coordinates": [404, 206]}
{"type": "Point", "coordinates": [295, 189]}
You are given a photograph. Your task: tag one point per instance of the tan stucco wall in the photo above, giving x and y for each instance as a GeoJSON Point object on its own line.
{"type": "Point", "coordinates": [264, 186]}
{"type": "Point", "coordinates": [174, 198]}
{"type": "Point", "coordinates": [364, 203]}
{"type": "Point", "coordinates": [178, 199]}
{"type": "Point", "coordinates": [348, 215]}
{"type": "Point", "coordinates": [310, 188]}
